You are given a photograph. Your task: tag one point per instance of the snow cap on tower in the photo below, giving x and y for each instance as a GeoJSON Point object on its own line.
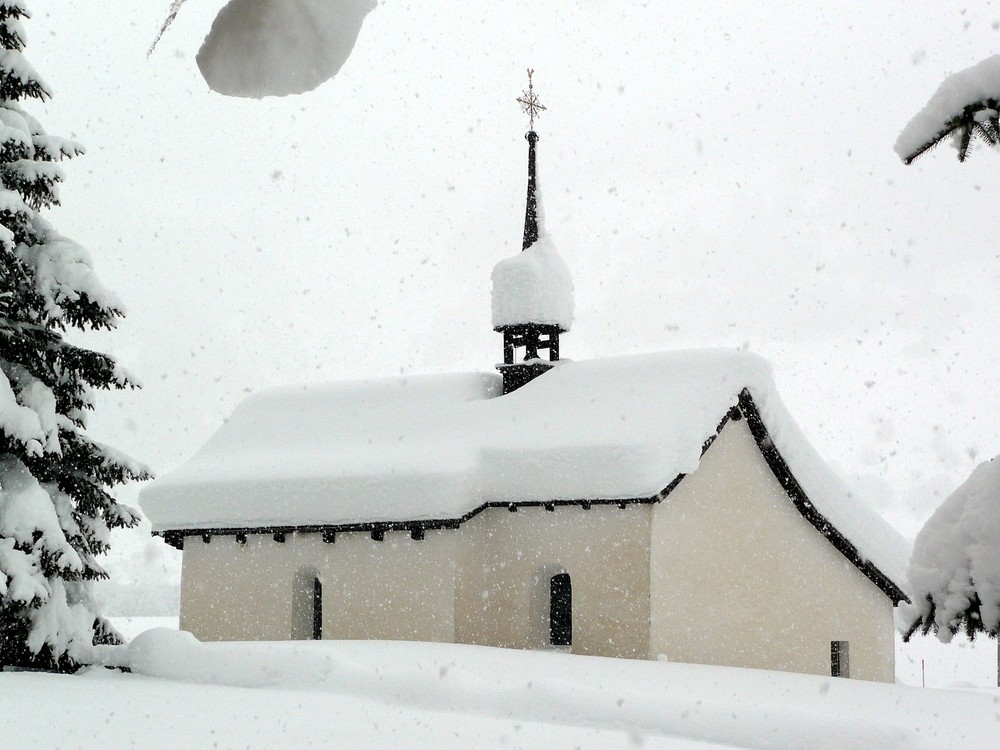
{"type": "Point", "coordinates": [532, 291]}
{"type": "Point", "coordinates": [534, 286]}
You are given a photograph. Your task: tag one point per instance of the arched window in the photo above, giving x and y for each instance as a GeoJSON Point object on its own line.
{"type": "Point", "coordinates": [560, 610]}
{"type": "Point", "coordinates": [317, 610]}
{"type": "Point", "coordinates": [307, 606]}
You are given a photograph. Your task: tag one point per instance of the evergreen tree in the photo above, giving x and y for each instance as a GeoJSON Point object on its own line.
{"type": "Point", "coordinates": [55, 513]}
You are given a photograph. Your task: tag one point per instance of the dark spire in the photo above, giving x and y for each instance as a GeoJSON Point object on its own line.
{"type": "Point", "coordinates": [536, 339]}
{"type": "Point", "coordinates": [531, 207]}
{"type": "Point", "coordinates": [533, 108]}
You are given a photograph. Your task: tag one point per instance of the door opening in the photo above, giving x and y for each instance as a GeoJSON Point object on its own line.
{"type": "Point", "coordinates": [561, 610]}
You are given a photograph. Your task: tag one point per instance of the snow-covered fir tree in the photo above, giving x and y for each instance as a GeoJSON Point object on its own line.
{"type": "Point", "coordinates": [55, 511]}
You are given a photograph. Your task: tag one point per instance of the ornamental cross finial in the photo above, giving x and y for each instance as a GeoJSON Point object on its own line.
{"type": "Point", "coordinates": [529, 102]}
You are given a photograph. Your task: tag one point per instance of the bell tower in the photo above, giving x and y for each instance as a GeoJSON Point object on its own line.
{"type": "Point", "coordinates": [532, 292]}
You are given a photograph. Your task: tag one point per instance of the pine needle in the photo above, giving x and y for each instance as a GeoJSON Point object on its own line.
{"type": "Point", "coordinates": [175, 6]}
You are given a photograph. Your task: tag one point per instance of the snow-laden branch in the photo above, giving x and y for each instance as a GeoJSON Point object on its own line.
{"type": "Point", "coordinates": [955, 570]}
{"type": "Point", "coordinates": [966, 105]}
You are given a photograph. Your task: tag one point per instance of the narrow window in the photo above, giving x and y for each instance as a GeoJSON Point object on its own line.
{"type": "Point", "coordinates": [317, 610]}
{"type": "Point", "coordinates": [307, 605]}
{"type": "Point", "coordinates": [840, 659]}
{"type": "Point", "coordinates": [560, 610]}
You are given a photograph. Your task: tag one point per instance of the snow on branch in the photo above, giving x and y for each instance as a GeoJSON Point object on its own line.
{"type": "Point", "coordinates": [966, 105]}
{"type": "Point", "coordinates": [64, 274]}
{"type": "Point", "coordinates": [954, 573]}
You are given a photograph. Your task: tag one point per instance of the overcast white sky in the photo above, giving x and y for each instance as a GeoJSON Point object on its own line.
{"type": "Point", "coordinates": [715, 174]}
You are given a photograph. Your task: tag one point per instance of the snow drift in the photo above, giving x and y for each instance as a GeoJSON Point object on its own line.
{"type": "Point", "coordinates": [435, 696]}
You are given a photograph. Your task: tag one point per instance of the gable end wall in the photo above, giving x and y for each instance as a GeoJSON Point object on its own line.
{"type": "Point", "coordinates": [738, 576]}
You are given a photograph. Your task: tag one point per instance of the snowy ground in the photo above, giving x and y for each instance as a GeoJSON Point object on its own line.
{"type": "Point", "coordinates": [922, 661]}
{"type": "Point", "coordinates": [379, 694]}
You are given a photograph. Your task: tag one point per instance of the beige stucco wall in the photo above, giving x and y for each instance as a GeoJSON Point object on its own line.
{"type": "Point", "coordinates": [502, 594]}
{"type": "Point", "coordinates": [409, 590]}
{"type": "Point", "coordinates": [724, 571]}
{"type": "Point", "coordinates": [396, 589]}
{"type": "Point", "coordinates": [739, 577]}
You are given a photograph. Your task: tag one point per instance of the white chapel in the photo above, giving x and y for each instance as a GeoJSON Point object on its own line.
{"type": "Point", "coordinates": [645, 506]}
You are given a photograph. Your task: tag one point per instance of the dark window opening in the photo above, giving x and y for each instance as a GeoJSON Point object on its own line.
{"type": "Point", "coordinates": [840, 659]}
{"type": "Point", "coordinates": [560, 610]}
{"type": "Point", "coordinates": [307, 606]}
{"type": "Point", "coordinates": [317, 610]}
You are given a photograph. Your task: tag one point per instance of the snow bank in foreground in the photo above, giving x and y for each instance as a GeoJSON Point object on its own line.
{"type": "Point", "coordinates": [533, 286]}
{"type": "Point", "coordinates": [427, 695]}
{"type": "Point", "coordinates": [260, 48]}
{"type": "Point", "coordinates": [981, 81]}
{"type": "Point", "coordinates": [957, 555]}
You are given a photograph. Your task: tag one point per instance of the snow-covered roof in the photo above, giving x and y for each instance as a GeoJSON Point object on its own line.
{"type": "Point", "coordinates": [439, 447]}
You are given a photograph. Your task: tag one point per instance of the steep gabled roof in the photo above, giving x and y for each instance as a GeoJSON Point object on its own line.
{"type": "Point", "coordinates": [432, 451]}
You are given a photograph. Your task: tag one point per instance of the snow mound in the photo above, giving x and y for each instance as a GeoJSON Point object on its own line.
{"type": "Point", "coordinates": [259, 48]}
{"type": "Point", "coordinates": [533, 286]}
{"type": "Point", "coordinates": [981, 81]}
{"type": "Point", "coordinates": [165, 652]}
{"type": "Point", "coordinates": [957, 555]}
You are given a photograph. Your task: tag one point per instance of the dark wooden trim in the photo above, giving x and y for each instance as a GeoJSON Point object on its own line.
{"type": "Point", "coordinates": [175, 537]}
{"type": "Point", "coordinates": [520, 329]}
{"type": "Point", "coordinates": [746, 409]}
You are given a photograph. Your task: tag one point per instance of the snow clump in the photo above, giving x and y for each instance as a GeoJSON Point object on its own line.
{"type": "Point", "coordinates": [957, 557]}
{"type": "Point", "coordinates": [981, 81]}
{"type": "Point", "coordinates": [534, 286]}
{"type": "Point", "coordinates": [259, 48]}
